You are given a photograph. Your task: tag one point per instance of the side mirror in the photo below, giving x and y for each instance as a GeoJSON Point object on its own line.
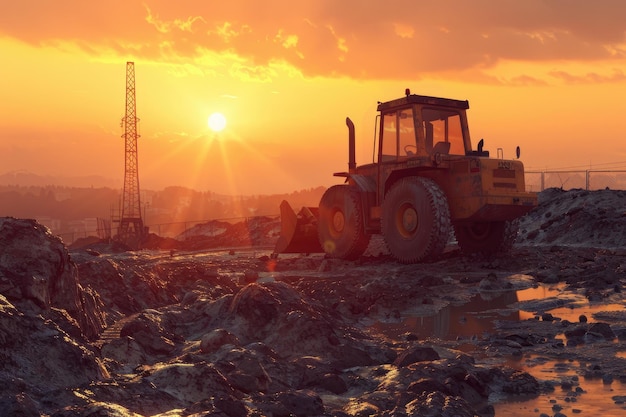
{"type": "Point", "coordinates": [517, 152]}
{"type": "Point", "coordinates": [481, 143]}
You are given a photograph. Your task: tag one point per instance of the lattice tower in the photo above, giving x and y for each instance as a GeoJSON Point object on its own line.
{"type": "Point", "coordinates": [131, 228]}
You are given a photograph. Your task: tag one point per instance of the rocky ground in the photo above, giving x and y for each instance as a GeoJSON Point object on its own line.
{"type": "Point", "coordinates": [97, 331]}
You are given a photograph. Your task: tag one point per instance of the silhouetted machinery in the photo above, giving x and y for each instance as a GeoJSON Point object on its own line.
{"type": "Point", "coordinates": [425, 182]}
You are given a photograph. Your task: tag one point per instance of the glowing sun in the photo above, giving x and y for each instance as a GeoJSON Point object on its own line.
{"type": "Point", "coordinates": [217, 122]}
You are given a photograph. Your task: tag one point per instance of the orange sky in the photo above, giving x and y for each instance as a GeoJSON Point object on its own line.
{"type": "Point", "coordinates": [549, 76]}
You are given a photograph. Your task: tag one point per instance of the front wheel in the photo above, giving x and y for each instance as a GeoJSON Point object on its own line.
{"type": "Point", "coordinates": [415, 220]}
{"type": "Point", "coordinates": [486, 238]}
{"type": "Point", "coordinates": [341, 225]}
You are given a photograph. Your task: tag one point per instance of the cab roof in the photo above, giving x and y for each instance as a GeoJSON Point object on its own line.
{"type": "Point", "coordinates": [417, 99]}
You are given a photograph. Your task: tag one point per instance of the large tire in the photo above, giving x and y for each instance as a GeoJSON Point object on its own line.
{"type": "Point", "coordinates": [415, 220]}
{"type": "Point", "coordinates": [340, 225]}
{"type": "Point", "coordinates": [486, 238]}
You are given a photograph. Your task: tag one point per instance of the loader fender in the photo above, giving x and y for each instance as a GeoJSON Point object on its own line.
{"type": "Point", "coordinates": [364, 183]}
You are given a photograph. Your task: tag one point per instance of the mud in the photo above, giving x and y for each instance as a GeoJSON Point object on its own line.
{"type": "Point", "coordinates": [539, 331]}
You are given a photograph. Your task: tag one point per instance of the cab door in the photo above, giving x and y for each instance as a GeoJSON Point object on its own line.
{"type": "Point", "coordinates": [400, 141]}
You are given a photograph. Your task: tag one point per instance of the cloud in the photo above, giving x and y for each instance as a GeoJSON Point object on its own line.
{"type": "Point", "coordinates": [183, 25]}
{"type": "Point", "coordinates": [617, 75]}
{"type": "Point", "coordinates": [403, 39]}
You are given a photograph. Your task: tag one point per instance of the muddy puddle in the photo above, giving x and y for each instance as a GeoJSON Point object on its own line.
{"type": "Point", "coordinates": [477, 319]}
{"type": "Point", "coordinates": [572, 394]}
{"type": "Point", "coordinates": [468, 321]}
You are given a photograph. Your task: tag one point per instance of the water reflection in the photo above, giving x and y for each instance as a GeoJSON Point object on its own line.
{"type": "Point", "coordinates": [590, 397]}
{"type": "Point", "coordinates": [564, 306]}
{"type": "Point", "coordinates": [477, 317]}
{"type": "Point", "coordinates": [473, 318]}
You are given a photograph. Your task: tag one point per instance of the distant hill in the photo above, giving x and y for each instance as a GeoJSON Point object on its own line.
{"type": "Point", "coordinates": [29, 179]}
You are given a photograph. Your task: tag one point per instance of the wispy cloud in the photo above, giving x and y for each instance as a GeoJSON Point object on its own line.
{"type": "Point", "coordinates": [353, 38]}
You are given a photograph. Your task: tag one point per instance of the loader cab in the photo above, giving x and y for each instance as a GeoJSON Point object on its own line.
{"type": "Point", "coordinates": [416, 127]}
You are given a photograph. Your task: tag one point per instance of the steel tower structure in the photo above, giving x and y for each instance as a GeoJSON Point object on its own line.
{"type": "Point", "coordinates": [131, 229]}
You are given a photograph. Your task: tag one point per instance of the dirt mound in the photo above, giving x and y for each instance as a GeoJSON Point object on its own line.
{"type": "Point", "coordinates": [576, 218]}
{"type": "Point", "coordinates": [245, 334]}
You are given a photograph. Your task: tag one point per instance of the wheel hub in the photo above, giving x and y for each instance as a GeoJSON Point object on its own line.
{"type": "Point", "coordinates": [407, 220]}
{"type": "Point", "coordinates": [339, 221]}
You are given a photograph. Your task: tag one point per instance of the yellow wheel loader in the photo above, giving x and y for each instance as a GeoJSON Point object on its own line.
{"type": "Point", "coordinates": [426, 181]}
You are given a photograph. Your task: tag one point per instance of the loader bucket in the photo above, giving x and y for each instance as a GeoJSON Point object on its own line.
{"type": "Point", "coordinates": [298, 232]}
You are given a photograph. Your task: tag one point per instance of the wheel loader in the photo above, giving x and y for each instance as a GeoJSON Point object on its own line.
{"type": "Point", "coordinates": [425, 182]}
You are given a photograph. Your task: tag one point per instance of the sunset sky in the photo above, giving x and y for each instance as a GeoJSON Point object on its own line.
{"type": "Point", "coordinates": [549, 76]}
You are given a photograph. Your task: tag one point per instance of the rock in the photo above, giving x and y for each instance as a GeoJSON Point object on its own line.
{"type": "Point", "coordinates": [276, 314]}
{"type": "Point", "coordinates": [147, 330]}
{"type": "Point", "coordinates": [198, 340]}
{"type": "Point", "coordinates": [97, 409]}
{"type": "Point", "coordinates": [248, 373]}
{"type": "Point", "coordinates": [348, 356]}
{"type": "Point", "coordinates": [416, 354]}
{"type": "Point", "coordinates": [231, 406]}
{"type": "Point", "coordinates": [519, 382]}
{"type": "Point", "coordinates": [189, 298]}
{"type": "Point", "coordinates": [250, 276]}
{"type": "Point", "coordinates": [35, 266]}
{"type": "Point", "coordinates": [438, 404]}
{"type": "Point", "coordinates": [425, 385]}
{"type": "Point", "coordinates": [301, 402]}
{"type": "Point", "coordinates": [257, 305]}
{"type": "Point", "coordinates": [333, 383]}
{"type": "Point", "coordinates": [576, 332]}
{"type": "Point", "coordinates": [221, 406]}
{"type": "Point", "coordinates": [215, 339]}
{"type": "Point", "coordinates": [603, 329]}
{"type": "Point", "coordinates": [92, 252]}
{"type": "Point", "coordinates": [362, 408]}
{"type": "Point", "coordinates": [490, 283]}
{"type": "Point", "coordinates": [35, 346]}
{"type": "Point", "coordinates": [619, 399]}
{"type": "Point", "coordinates": [189, 383]}
{"type": "Point", "coordinates": [107, 276]}
{"type": "Point", "coordinates": [18, 404]}
{"type": "Point", "coordinates": [125, 351]}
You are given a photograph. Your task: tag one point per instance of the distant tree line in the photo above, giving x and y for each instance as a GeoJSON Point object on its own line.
{"type": "Point", "coordinates": [172, 204]}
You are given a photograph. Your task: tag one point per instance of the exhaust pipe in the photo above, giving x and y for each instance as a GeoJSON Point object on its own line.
{"type": "Point", "coordinates": [351, 145]}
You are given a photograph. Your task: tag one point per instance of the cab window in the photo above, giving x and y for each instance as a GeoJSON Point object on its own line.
{"type": "Point", "coordinates": [389, 150]}
{"type": "Point", "coordinates": [406, 133]}
{"type": "Point", "coordinates": [443, 126]}
{"type": "Point", "coordinates": [398, 135]}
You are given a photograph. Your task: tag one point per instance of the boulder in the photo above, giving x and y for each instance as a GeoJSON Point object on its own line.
{"type": "Point", "coordinates": [38, 356]}
{"type": "Point", "coordinates": [125, 351]}
{"type": "Point", "coordinates": [276, 314]}
{"type": "Point", "coordinates": [35, 268]}
{"type": "Point", "coordinates": [215, 339]}
{"type": "Point", "coordinates": [603, 329]}
{"type": "Point", "coordinates": [147, 329]}
{"type": "Point", "coordinates": [190, 383]}
{"type": "Point", "coordinates": [416, 354]}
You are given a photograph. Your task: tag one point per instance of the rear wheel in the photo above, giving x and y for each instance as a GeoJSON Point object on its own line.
{"type": "Point", "coordinates": [486, 238]}
{"type": "Point", "coordinates": [340, 224]}
{"type": "Point", "coordinates": [415, 220]}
